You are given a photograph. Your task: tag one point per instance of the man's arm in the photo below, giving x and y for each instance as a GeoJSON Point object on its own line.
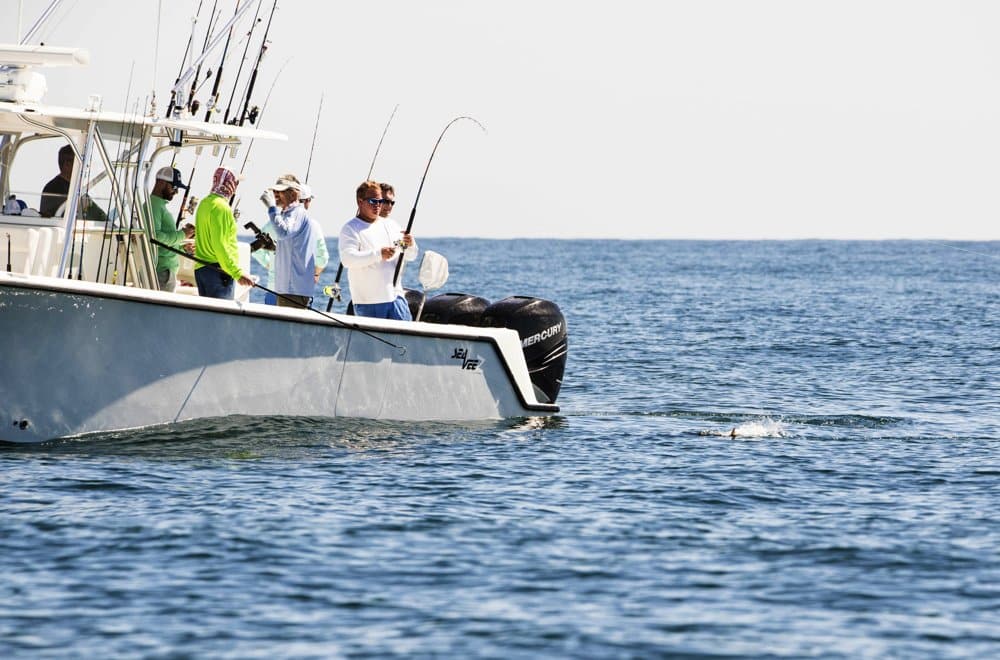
{"type": "Point", "coordinates": [352, 253]}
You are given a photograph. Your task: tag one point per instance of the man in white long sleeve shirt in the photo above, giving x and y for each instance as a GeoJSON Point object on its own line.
{"type": "Point", "coordinates": [296, 235]}
{"type": "Point", "coordinates": [369, 247]}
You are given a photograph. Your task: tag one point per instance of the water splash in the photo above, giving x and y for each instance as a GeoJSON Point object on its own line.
{"type": "Point", "coordinates": [755, 428]}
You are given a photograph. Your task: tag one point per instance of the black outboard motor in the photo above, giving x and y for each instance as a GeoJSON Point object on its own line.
{"type": "Point", "coordinates": [415, 299]}
{"type": "Point", "coordinates": [454, 309]}
{"type": "Point", "coordinates": [542, 328]}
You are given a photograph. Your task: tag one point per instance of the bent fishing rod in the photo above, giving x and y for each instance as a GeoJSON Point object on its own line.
{"type": "Point", "coordinates": [312, 148]}
{"type": "Point", "coordinates": [413, 211]}
{"type": "Point", "coordinates": [343, 324]}
{"type": "Point", "coordinates": [333, 291]}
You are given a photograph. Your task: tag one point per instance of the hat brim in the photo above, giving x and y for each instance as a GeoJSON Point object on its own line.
{"type": "Point", "coordinates": [280, 188]}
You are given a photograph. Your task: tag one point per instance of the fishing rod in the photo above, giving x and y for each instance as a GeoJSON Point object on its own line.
{"type": "Point", "coordinates": [413, 211]}
{"type": "Point", "coordinates": [333, 291]}
{"type": "Point", "coordinates": [187, 53]}
{"type": "Point", "coordinates": [260, 115]}
{"type": "Point", "coordinates": [39, 22]}
{"type": "Point", "coordinates": [315, 132]}
{"type": "Point", "coordinates": [196, 66]}
{"type": "Point", "coordinates": [190, 105]}
{"type": "Point", "coordinates": [248, 94]}
{"type": "Point", "coordinates": [243, 60]}
{"type": "Point", "coordinates": [214, 96]}
{"type": "Point", "coordinates": [343, 324]}
{"type": "Point", "coordinates": [379, 147]}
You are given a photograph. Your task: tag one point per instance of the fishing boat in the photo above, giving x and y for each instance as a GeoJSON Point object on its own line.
{"type": "Point", "coordinates": [90, 344]}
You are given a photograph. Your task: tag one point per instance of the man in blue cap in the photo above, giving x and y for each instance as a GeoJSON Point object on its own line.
{"type": "Point", "coordinates": [168, 182]}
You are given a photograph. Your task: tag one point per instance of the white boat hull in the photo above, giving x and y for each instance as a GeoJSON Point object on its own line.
{"type": "Point", "coordinates": [80, 357]}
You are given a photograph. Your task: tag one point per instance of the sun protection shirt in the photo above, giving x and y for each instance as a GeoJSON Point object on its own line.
{"type": "Point", "coordinates": [215, 237]}
{"type": "Point", "coordinates": [296, 235]}
{"type": "Point", "coordinates": [266, 257]}
{"type": "Point", "coordinates": [370, 277]}
{"type": "Point", "coordinates": [166, 232]}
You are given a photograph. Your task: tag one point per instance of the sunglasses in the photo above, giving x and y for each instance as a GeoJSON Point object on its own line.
{"type": "Point", "coordinates": [375, 202]}
{"type": "Point", "coordinates": [390, 202]}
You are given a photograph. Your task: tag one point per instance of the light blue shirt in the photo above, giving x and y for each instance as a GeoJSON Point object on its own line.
{"type": "Point", "coordinates": [266, 257]}
{"type": "Point", "coordinates": [295, 263]}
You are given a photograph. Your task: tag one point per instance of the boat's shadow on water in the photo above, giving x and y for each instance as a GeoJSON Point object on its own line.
{"type": "Point", "coordinates": [253, 437]}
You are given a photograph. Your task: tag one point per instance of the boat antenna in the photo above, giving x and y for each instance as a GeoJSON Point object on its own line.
{"type": "Point", "coordinates": [315, 131]}
{"type": "Point", "coordinates": [413, 211]}
{"type": "Point", "coordinates": [333, 291]}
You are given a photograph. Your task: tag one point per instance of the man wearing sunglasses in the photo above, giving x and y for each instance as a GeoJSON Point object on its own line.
{"type": "Point", "coordinates": [369, 246]}
{"type": "Point", "coordinates": [388, 199]}
{"type": "Point", "coordinates": [168, 182]}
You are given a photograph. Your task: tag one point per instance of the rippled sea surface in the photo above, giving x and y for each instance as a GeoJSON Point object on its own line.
{"type": "Point", "coordinates": [766, 449]}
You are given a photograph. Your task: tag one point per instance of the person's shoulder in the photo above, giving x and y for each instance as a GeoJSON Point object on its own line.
{"type": "Point", "coordinates": [53, 182]}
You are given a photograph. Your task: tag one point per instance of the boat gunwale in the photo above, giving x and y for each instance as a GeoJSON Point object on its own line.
{"type": "Point", "coordinates": [163, 299]}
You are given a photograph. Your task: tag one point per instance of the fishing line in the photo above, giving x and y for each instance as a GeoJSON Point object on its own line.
{"type": "Point", "coordinates": [349, 326]}
{"type": "Point", "coordinates": [955, 247]}
{"type": "Point", "coordinates": [413, 211]}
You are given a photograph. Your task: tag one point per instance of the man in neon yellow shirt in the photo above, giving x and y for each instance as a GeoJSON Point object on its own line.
{"type": "Point", "coordinates": [215, 241]}
{"type": "Point", "coordinates": [168, 182]}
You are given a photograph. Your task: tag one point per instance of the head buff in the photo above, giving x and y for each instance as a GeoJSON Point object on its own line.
{"type": "Point", "coordinates": [224, 182]}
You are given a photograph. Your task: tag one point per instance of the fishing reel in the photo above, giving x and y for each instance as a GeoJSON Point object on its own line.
{"type": "Point", "coordinates": [333, 292]}
{"type": "Point", "coordinates": [260, 239]}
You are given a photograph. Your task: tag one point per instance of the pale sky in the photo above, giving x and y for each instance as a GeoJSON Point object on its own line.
{"type": "Point", "coordinates": [734, 119]}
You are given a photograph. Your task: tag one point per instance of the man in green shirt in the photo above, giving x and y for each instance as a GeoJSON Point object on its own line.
{"type": "Point", "coordinates": [168, 181]}
{"type": "Point", "coordinates": [215, 244]}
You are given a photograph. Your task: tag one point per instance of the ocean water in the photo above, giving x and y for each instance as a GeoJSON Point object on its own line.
{"type": "Point", "coordinates": [766, 449]}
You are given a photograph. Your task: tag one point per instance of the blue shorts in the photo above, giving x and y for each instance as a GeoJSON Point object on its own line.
{"type": "Point", "coordinates": [398, 309]}
{"type": "Point", "coordinates": [214, 283]}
